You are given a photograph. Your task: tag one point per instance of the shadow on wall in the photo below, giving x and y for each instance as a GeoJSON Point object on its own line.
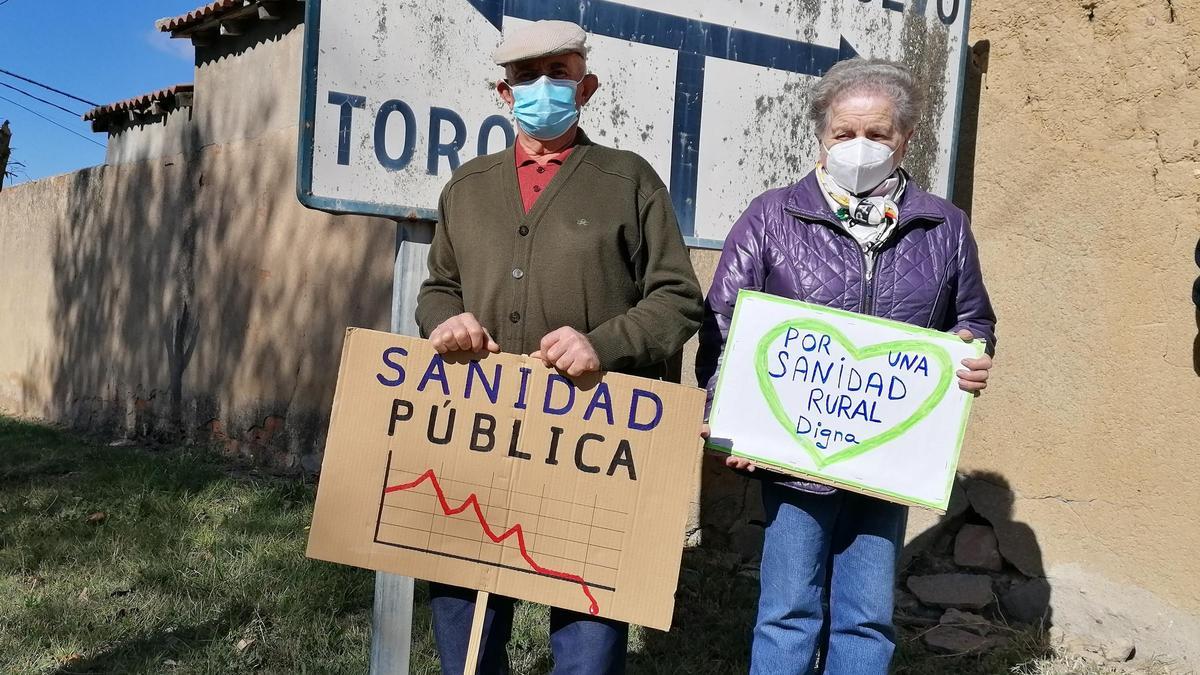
{"type": "Point", "coordinates": [976, 558]}
{"type": "Point", "coordinates": [195, 300]}
{"type": "Point", "coordinates": [1196, 302]}
{"type": "Point", "coordinates": [259, 33]}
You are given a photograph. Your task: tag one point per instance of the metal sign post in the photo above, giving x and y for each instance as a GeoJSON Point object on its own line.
{"type": "Point", "coordinates": [713, 93]}
{"type": "Point", "coordinates": [391, 619]}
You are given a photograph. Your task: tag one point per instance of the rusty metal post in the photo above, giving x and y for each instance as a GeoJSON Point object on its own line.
{"type": "Point", "coordinates": [391, 621]}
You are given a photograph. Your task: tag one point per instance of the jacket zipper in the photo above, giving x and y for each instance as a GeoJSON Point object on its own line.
{"type": "Point", "coordinates": [870, 256]}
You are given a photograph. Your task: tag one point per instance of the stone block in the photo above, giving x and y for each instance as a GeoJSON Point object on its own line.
{"type": "Point", "coordinates": [1016, 541]}
{"type": "Point", "coordinates": [967, 621]}
{"type": "Point", "coordinates": [949, 640]}
{"type": "Point", "coordinates": [960, 591]}
{"type": "Point", "coordinates": [1027, 602]}
{"type": "Point", "coordinates": [976, 547]}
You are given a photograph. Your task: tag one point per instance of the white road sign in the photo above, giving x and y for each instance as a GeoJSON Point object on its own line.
{"type": "Point", "coordinates": [398, 93]}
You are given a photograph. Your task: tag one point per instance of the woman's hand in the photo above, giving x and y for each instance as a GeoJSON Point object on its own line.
{"type": "Point", "coordinates": [975, 377]}
{"type": "Point", "coordinates": [740, 463]}
{"type": "Point", "coordinates": [730, 461]}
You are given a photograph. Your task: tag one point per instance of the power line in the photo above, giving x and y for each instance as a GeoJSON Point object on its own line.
{"type": "Point", "coordinates": [46, 86]}
{"type": "Point", "coordinates": [38, 98]}
{"type": "Point", "coordinates": [4, 98]}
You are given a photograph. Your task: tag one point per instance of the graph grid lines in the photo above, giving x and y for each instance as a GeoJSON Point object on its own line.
{"type": "Point", "coordinates": [528, 532]}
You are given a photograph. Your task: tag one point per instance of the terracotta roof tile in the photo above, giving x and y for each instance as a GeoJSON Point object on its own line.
{"type": "Point", "coordinates": [198, 15]}
{"type": "Point", "coordinates": [138, 103]}
{"type": "Point", "coordinates": [203, 17]}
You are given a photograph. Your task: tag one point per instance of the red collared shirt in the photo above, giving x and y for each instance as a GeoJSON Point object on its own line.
{"type": "Point", "coordinates": [533, 177]}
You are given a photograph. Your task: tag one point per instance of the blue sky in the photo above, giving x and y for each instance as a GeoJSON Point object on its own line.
{"type": "Point", "coordinates": [100, 51]}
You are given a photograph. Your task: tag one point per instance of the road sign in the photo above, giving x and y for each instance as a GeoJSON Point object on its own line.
{"type": "Point", "coordinates": [713, 93]}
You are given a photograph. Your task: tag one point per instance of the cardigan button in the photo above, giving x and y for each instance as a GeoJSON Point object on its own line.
{"type": "Point", "coordinates": [514, 317]}
{"type": "Point", "coordinates": [523, 230]}
{"type": "Point", "coordinates": [518, 273]}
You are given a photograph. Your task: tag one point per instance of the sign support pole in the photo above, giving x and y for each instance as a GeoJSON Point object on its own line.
{"type": "Point", "coordinates": [391, 618]}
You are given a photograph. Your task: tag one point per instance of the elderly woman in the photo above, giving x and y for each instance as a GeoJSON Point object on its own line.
{"type": "Point", "coordinates": [856, 234]}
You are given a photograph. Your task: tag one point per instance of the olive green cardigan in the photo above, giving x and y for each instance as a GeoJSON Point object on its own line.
{"type": "Point", "coordinates": [600, 251]}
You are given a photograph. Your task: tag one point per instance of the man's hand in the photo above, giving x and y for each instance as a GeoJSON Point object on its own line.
{"type": "Point", "coordinates": [729, 460]}
{"type": "Point", "coordinates": [568, 350]}
{"type": "Point", "coordinates": [974, 379]}
{"type": "Point", "coordinates": [462, 333]}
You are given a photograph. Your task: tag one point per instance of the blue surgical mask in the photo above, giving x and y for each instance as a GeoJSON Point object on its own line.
{"type": "Point", "coordinates": [545, 108]}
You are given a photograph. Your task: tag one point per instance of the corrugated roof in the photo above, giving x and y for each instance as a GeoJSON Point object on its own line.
{"type": "Point", "coordinates": [140, 103]}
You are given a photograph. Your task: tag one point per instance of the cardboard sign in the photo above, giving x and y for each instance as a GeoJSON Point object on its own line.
{"type": "Point", "coordinates": [503, 475]}
{"type": "Point", "coordinates": [854, 401]}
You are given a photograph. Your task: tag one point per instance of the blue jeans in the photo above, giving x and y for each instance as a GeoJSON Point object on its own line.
{"type": "Point", "coordinates": [843, 547]}
{"type": "Point", "coordinates": [581, 644]}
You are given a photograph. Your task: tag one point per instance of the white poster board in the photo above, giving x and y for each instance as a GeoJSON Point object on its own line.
{"type": "Point", "coordinates": [857, 402]}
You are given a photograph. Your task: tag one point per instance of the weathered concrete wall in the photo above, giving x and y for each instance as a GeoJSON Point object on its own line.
{"type": "Point", "coordinates": [186, 295]}
{"type": "Point", "coordinates": [245, 86]}
{"type": "Point", "coordinates": [183, 289]}
{"type": "Point", "coordinates": [250, 85]}
{"type": "Point", "coordinates": [165, 136]}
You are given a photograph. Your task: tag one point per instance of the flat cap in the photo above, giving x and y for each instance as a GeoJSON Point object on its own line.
{"type": "Point", "coordinates": [541, 38]}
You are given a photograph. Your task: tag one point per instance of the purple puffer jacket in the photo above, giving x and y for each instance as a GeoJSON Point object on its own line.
{"type": "Point", "coordinates": [788, 243]}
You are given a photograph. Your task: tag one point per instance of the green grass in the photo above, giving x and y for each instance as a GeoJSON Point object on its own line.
{"type": "Point", "coordinates": [197, 566]}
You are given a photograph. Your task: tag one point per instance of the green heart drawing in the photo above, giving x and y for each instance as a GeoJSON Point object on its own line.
{"type": "Point", "coordinates": [936, 354]}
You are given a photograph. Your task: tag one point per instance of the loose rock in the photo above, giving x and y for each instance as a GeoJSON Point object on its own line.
{"type": "Point", "coordinates": [949, 640]}
{"type": "Point", "coordinates": [1118, 651]}
{"type": "Point", "coordinates": [1027, 602]}
{"type": "Point", "coordinates": [966, 621]}
{"type": "Point", "coordinates": [976, 547]}
{"type": "Point", "coordinates": [960, 591]}
{"type": "Point", "coordinates": [904, 601]}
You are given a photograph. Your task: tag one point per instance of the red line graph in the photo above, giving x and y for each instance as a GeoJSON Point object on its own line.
{"type": "Point", "coordinates": [473, 502]}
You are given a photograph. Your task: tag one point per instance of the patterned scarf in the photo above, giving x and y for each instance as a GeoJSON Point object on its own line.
{"type": "Point", "coordinates": [870, 219]}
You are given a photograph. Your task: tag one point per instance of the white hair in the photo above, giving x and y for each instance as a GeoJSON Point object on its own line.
{"type": "Point", "coordinates": [868, 76]}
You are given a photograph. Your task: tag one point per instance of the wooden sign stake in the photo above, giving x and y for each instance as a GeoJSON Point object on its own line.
{"type": "Point", "coordinates": [481, 601]}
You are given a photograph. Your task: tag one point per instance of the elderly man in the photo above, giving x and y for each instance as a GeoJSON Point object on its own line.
{"type": "Point", "coordinates": [565, 250]}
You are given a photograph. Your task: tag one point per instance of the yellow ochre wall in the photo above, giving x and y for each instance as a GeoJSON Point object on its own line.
{"type": "Point", "coordinates": [1087, 209]}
